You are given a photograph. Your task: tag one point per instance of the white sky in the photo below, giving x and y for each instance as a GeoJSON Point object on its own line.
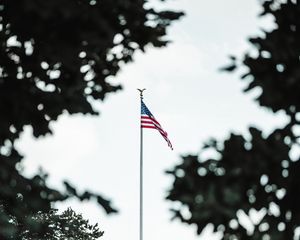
{"type": "Point", "coordinates": [188, 95]}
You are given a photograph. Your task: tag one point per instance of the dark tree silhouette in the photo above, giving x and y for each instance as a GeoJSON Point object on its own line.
{"type": "Point", "coordinates": [65, 225]}
{"type": "Point", "coordinates": [56, 57]}
{"type": "Point", "coordinates": [257, 172]}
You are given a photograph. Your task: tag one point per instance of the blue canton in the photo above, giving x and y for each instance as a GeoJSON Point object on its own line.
{"type": "Point", "coordinates": [145, 110]}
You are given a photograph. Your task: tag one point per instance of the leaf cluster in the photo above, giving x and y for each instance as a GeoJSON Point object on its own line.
{"type": "Point", "coordinates": [254, 174]}
{"type": "Point", "coordinates": [66, 225]}
{"type": "Point", "coordinates": [57, 57]}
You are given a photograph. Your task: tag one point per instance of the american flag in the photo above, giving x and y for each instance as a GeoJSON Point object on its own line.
{"type": "Point", "coordinates": [148, 121]}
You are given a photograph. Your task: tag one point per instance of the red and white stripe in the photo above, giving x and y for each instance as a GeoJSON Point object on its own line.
{"type": "Point", "coordinates": [150, 122]}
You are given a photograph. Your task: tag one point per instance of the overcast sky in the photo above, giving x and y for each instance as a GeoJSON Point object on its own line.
{"type": "Point", "coordinates": [188, 95]}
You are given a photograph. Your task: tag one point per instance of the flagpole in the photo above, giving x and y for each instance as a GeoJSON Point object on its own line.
{"type": "Point", "coordinates": [141, 173]}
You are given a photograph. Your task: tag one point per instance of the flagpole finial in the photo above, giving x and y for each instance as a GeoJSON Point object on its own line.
{"type": "Point", "coordinates": [141, 92]}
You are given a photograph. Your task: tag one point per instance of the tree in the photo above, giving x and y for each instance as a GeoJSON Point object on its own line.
{"type": "Point", "coordinates": [67, 225]}
{"type": "Point", "coordinates": [56, 57]}
{"type": "Point", "coordinates": [257, 172]}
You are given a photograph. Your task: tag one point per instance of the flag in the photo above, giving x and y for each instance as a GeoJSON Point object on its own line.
{"type": "Point", "coordinates": [148, 121]}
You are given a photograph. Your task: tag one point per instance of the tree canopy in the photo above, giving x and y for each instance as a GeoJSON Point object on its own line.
{"type": "Point", "coordinates": [256, 172]}
{"type": "Point", "coordinates": [56, 57]}
{"type": "Point", "coordinates": [66, 225]}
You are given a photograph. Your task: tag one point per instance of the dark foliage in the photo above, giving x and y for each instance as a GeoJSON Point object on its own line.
{"type": "Point", "coordinates": [67, 225]}
{"type": "Point", "coordinates": [55, 57]}
{"type": "Point", "coordinates": [250, 174]}
{"type": "Point", "coordinates": [257, 172]}
{"type": "Point", "coordinates": [276, 68]}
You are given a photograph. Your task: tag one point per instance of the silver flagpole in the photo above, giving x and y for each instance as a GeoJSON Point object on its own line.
{"type": "Point", "coordinates": [141, 173]}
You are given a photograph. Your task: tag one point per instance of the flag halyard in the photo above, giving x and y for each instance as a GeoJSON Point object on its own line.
{"type": "Point", "coordinates": [149, 121]}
